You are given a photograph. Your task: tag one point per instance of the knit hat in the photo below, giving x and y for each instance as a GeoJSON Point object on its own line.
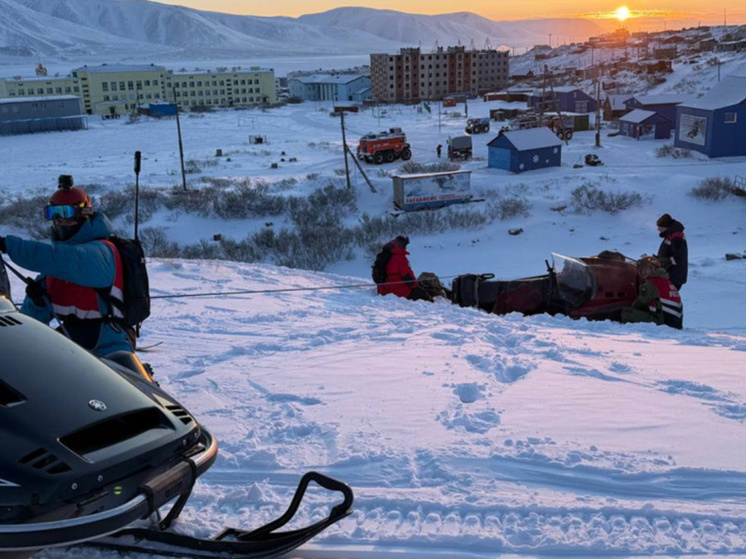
{"type": "Point", "coordinates": [664, 221]}
{"type": "Point", "coordinates": [402, 240]}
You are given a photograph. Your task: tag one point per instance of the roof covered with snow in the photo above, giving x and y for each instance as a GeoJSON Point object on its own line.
{"type": "Point", "coordinates": [617, 101]}
{"type": "Point", "coordinates": [637, 116]}
{"type": "Point", "coordinates": [11, 100]}
{"type": "Point", "coordinates": [731, 91]}
{"type": "Point", "coordinates": [531, 138]}
{"type": "Point", "coordinates": [110, 68]}
{"type": "Point", "coordinates": [667, 99]}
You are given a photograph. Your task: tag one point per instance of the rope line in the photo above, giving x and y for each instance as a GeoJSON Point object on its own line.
{"type": "Point", "coordinates": [282, 290]}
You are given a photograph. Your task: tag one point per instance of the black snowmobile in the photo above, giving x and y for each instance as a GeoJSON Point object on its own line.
{"type": "Point", "coordinates": [90, 446]}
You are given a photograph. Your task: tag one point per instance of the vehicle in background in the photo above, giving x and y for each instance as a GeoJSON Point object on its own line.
{"type": "Point", "coordinates": [459, 148]}
{"type": "Point", "coordinates": [477, 125]}
{"type": "Point", "coordinates": [384, 147]}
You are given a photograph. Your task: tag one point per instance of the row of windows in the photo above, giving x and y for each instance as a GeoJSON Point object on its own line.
{"type": "Point", "coordinates": [201, 93]}
{"type": "Point", "coordinates": [48, 91]}
{"type": "Point", "coordinates": [215, 83]}
{"type": "Point", "coordinates": [128, 85]}
{"type": "Point", "coordinates": [13, 109]}
{"type": "Point", "coordinates": [131, 97]}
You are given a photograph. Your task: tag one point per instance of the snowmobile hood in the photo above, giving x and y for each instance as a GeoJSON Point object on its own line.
{"type": "Point", "coordinates": [70, 424]}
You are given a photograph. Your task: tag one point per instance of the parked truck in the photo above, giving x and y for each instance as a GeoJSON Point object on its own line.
{"type": "Point", "coordinates": [384, 147]}
{"type": "Point", "coordinates": [431, 190]}
{"type": "Point", "coordinates": [459, 148]}
{"type": "Point", "coordinates": [477, 125]}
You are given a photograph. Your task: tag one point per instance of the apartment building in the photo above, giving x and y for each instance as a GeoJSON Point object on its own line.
{"type": "Point", "coordinates": [39, 86]}
{"type": "Point", "coordinates": [118, 89]}
{"type": "Point", "coordinates": [221, 88]}
{"type": "Point", "coordinates": [413, 75]}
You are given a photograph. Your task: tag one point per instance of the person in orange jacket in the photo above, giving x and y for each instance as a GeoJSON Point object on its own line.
{"type": "Point", "coordinates": [400, 280]}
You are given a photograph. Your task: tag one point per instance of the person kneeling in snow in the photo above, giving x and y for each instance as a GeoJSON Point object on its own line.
{"type": "Point", "coordinates": [400, 280]}
{"type": "Point", "coordinates": [658, 300]}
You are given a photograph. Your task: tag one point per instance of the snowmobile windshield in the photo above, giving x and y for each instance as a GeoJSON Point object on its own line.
{"type": "Point", "coordinates": [574, 280]}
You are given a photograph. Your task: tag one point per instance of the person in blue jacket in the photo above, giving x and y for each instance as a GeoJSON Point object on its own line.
{"type": "Point", "coordinates": [78, 272]}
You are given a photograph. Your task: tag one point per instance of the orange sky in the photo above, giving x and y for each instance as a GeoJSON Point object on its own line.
{"type": "Point", "coordinates": [695, 10]}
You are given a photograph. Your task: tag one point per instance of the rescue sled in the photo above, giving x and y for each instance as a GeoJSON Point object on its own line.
{"type": "Point", "coordinates": [90, 446]}
{"type": "Point", "coordinates": [594, 287]}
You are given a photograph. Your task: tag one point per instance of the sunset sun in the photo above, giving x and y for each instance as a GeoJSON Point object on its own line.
{"type": "Point", "coordinates": [622, 13]}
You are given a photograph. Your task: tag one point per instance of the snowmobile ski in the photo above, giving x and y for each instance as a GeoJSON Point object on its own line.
{"type": "Point", "coordinates": [261, 543]}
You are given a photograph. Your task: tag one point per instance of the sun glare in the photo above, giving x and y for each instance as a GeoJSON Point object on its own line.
{"type": "Point", "coordinates": [622, 13]}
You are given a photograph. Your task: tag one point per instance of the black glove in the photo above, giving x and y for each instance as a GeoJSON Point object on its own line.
{"type": "Point", "coordinates": [2, 245]}
{"type": "Point", "coordinates": [35, 291]}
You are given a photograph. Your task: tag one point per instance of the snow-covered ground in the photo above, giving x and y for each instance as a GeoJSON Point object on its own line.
{"type": "Point", "coordinates": [462, 433]}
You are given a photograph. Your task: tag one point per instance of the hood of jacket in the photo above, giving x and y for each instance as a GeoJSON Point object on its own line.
{"type": "Point", "coordinates": [96, 227]}
{"type": "Point", "coordinates": [675, 227]}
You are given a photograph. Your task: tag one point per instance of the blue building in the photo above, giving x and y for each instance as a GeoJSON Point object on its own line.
{"type": "Point", "coordinates": [158, 109]}
{"type": "Point", "coordinates": [665, 105]}
{"type": "Point", "coordinates": [24, 115]}
{"type": "Point", "coordinates": [640, 124]}
{"type": "Point", "coordinates": [525, 150]}
{"type": "Point", "coordinates": [716, 123]}
{"type": "Point", "coordinates": [568, 99]}
{"type": "Point", "coordinates": [330, 87]}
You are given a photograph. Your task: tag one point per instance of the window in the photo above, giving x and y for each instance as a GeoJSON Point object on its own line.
{"type": "Point", "coordinates": [147, 83]}
{"type": "Point", "coordinates": [40, 91]}
{"type": "Point", "coordinates": [122, 86]}
{"type": "Point", "coordinates": [138, 84]}
{"type": "Point", "coordinates": [113, 86]}
{"type": "Point", "coordinates": [104, 86]}
{"type": "Point", "coordinates": [730, 118]}
{"type": "Point", "coordinates": [21, 92]}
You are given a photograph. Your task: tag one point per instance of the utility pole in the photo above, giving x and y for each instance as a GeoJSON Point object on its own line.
{"type": "Point", "coordinates": [344, 144]}
{"type": "Point", "coordinates": [137, 193]}
{"type": "Point", "coordinates": [598, 112]}
{"type": "Point", "coordinates": [181, 147]}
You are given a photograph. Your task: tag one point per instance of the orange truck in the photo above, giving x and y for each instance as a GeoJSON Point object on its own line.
{"type": "Point", "coordinates": [384, 147]}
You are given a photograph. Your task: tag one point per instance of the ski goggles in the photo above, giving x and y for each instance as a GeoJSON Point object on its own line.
{"type": "Point", "coordinates": [62, 212]}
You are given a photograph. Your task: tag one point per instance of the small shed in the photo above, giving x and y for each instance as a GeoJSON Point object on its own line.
{"type": "Point", "coordinates": [525, 150]}
{"type": "Point", "coordinates": [23, 115]}
{"type": "Point", "coordinates": [640, 123]}
{"type": "Point", "coordinates": [614, 106]}
{"type": "Point", "coordinates": [715, 124]}
{"type": "Point", "coordinates": [665, 105]}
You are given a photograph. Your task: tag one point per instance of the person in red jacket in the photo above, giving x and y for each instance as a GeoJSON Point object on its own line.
{"type": "Point", "coordinates": [658, 300]}
{"type": "Point", "coordinates": [400, 280]}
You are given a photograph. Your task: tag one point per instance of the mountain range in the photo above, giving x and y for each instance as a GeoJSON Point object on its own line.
{"type": "Point", "coordinates": [140, 29]}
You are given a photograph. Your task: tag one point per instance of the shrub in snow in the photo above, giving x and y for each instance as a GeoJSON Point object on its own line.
{"type": "Point", "coordinates": [587, 198]}
{"type": "Point", "coordinates": [670, 151]}
{"type": "Point", "coordinates": [155, 243]}
{"type": "Point", "coordinates": [414, 168]}
{"type": "Point", "coordinates": [716, 188]}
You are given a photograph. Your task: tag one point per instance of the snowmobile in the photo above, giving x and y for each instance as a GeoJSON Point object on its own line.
{"type": "Point", "coordinates": [94, 447]}
{"type": "Point", "coordinates": [594, 287]}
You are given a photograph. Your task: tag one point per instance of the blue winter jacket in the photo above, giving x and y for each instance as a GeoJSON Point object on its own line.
{"type": "Point", "coordinates": [78, 260]}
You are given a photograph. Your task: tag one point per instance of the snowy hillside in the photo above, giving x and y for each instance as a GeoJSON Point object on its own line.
{"type": "Point", "coordinates": [93, 26]}
{"type": "Point", "coordinates": [461, 433]}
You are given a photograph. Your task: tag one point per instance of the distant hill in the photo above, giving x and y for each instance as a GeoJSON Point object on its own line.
{"type": "Point", "coordinates": [71, 28]}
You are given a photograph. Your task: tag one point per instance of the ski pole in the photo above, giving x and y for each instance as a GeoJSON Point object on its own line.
{"type": "Point", "coordinates": [46, 300]}
{"type": "Point", "coordinates": [137, 191]}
